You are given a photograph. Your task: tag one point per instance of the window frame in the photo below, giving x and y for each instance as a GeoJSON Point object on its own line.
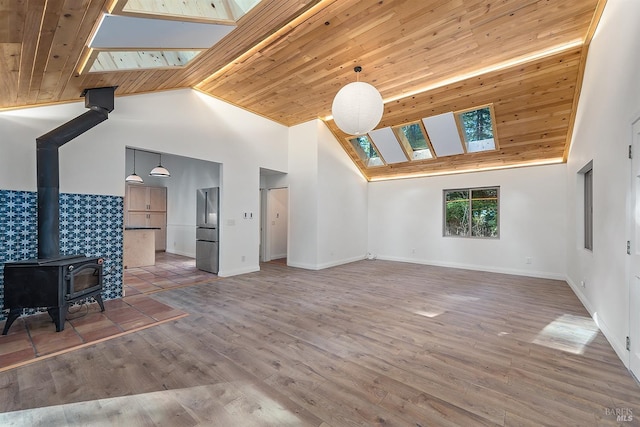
{"type": "Point", "coordinates": [457, 115]}
{"type": "Point", "coordinates": [470, 190]}
{"type": "Point", "coordinates": [406, 145]}
{"type": "Point", "coordinates": [361, 155]}
{"type": "Point", "coordinates": [587, 205]}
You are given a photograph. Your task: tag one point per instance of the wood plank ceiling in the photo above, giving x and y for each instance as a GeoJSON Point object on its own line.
{"type": "Point", "coordinates": [287, 59]}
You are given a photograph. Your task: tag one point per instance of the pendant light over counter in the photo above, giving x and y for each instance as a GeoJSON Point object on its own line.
{"type": "Point", "coordinates": [158, 171]}
{"type": "Point", "coordinates": [134, 178]}
{"type": "Point", "coordinates": [357, 108]}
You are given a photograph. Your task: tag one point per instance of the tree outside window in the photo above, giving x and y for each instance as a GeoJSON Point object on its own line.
{"type": "Point", "coordinates": [472, 212]}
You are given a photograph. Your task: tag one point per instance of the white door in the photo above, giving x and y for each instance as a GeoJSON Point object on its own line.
{"type": "Point", "coordinates": [634, 285]}
{"type": "Point", "coordinates": [278, 217]}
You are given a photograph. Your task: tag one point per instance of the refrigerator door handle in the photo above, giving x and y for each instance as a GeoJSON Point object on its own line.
{"type": "Point", "coordinates": [206, 207]}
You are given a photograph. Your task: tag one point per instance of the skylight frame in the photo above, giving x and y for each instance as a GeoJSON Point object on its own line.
{"type": "Point", "coordinates": [232, 11]}
{"type": "Point", "coordinates": [463, 136]}
{"type": "Point", "coordinates": [95, 53]}
{"type": "Point", "coordinates": [367, 161]}
{"type": "Point", "coordinates": [187, 39]}
{"type": "Point", "coordinates": [406, 145]}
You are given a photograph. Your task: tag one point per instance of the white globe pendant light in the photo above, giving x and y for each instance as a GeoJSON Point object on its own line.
{"type": "Point", "coordinates": [357, 107]}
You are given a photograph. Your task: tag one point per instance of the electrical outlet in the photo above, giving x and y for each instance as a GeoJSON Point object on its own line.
{"type": "Point", "coordinates": [583, 284]}
{"type": "Point", "coordinates": [413, 250]}
{"type": "Point", "coordinates": [528, 260]}
{"type": "Point", "coordinates": [242, 258]}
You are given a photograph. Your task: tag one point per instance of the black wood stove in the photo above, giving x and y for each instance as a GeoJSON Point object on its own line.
{"type": "Point", "coordinates": [53, 281]}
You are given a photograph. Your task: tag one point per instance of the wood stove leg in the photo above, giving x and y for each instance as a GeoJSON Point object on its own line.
{"type": "Point", "coordinates": [98, 299]}
{"type": "Point", "coordinates": [59, 315]}
{"type": "Point", "coordinates": [14, 313]}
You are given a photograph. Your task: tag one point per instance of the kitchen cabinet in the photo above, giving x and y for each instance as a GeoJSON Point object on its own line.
{"type": "Point", "coordinates": [146, 198]}
{"type": "Point", "coordinates": [146, 207]}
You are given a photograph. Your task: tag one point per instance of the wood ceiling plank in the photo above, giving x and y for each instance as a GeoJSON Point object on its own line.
{"type": "Point", "coordinates": [264, 20]}
{"type": "Point", "coordinates": [276, 64]}
{"type": "Point", "coordinates": [30, 31]}
{"type": "Point", "coordinates": [9, 70]}
{"type": "Point", "coordinates": [60, 54]}
{"type": "Point", "coordinates": [47, 31]}
{"type": "Point", "coordinates": [12, 16]}
{"type": "Point", "coordinates": [71, 84]}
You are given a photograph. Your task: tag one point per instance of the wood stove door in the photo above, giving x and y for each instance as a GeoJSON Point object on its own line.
{"type": "Point", "coordinates": [82, 280]}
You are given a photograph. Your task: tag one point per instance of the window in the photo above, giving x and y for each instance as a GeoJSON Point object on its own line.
{"type": "Point", "coordinates": [477, 129]}
{"type": "Point", "coordinates": [472, 212]}
{"type": "Point", "coordinates": [588, 207]}
{"type": "Point", "coordinates": [414, 141]}
{"type": "Point", "coordinates": [366, 151]}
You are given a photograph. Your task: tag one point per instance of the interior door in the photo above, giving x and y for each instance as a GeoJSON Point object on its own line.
{"type": "Point", "coordinates": [634, 285]}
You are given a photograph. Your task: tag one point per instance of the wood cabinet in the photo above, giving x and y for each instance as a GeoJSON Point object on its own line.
{"type": "Point", "coordinates": [146, 206]}
{"type": "Point", "coordinates": [146, 198]}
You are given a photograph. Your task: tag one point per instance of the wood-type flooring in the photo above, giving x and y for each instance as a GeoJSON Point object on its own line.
{"type": "Point", "coordinates": [363, 344]}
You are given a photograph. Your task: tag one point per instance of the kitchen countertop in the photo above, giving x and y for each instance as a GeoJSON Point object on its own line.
{"type": "Point", "coordinates": [142, 228]}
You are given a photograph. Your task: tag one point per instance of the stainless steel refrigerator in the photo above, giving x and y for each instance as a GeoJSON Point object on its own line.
{"type": "Point", "coordinates": [207, 229]}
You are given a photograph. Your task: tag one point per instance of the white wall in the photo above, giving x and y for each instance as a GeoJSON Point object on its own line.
{"type": "Point", "coordinates": [303, 195]}
{"type": "Point", "coordinates": [609, 103]}
{"type": "Point", "coordinates": [342, 204]}
{"type": "Point", "coordinates": [181, 122]}
{"type": "Point", "coordinates": [406, 220]}
{"type": "Point", "coordinates": [327, 200]}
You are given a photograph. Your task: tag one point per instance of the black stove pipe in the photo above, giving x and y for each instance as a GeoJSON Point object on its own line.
{"type": "Point", "coordinates": [100, 103]}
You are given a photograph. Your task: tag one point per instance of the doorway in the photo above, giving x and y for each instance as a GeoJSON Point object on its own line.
{"type": "Point", "coordinates": [634, 276]}
{"type": "Point", "coordinates": [274, 224]}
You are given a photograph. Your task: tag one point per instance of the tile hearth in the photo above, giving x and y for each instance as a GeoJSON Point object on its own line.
{"type": "Point", "coordinates": [33, 337]}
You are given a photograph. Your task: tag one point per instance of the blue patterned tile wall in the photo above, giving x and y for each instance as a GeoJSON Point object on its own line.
{"type": "Point", "coordinates": [89, 224]}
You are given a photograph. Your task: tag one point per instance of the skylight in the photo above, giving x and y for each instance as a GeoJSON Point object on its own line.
{"type": "Point", "coordinates": [477, 129]}
{"type": "Point", "coordinates": [448, 134]}
{"type": "Point", "coordinates": [444, 134]}
{"type": "Point", "coordinates": [387, 144]}
{"type": "Point", "coordinates": [213, 10]}
{"type": "Point", "coordinates": [414, 140]}
{"type": "Point", "coordinates": [145, 34]}
{"type": "Point", "coordinates": [136, 60]}
{"type": "Point", "coordinates": [366, 151]}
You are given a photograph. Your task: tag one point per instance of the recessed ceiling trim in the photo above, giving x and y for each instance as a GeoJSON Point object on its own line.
{"type": "Point", "coordinates": [547, 162]}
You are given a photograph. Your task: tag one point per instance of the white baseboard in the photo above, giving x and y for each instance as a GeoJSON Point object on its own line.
{"type": "Point", "coordinates": [490, 269]}
{"type": "Point", "coordinates": [618, 347]}
{"type": "Point", "coordinates": [325, 264]}
{"type": "Point", "coordinates": [238, 271]}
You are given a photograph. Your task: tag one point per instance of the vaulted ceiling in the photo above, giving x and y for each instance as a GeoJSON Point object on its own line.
{"type": "Point", "coordinates": [287, 59]}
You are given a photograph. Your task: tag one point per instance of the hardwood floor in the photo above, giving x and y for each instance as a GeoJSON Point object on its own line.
{"type": "Point", "coordinates": [368, 343]}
